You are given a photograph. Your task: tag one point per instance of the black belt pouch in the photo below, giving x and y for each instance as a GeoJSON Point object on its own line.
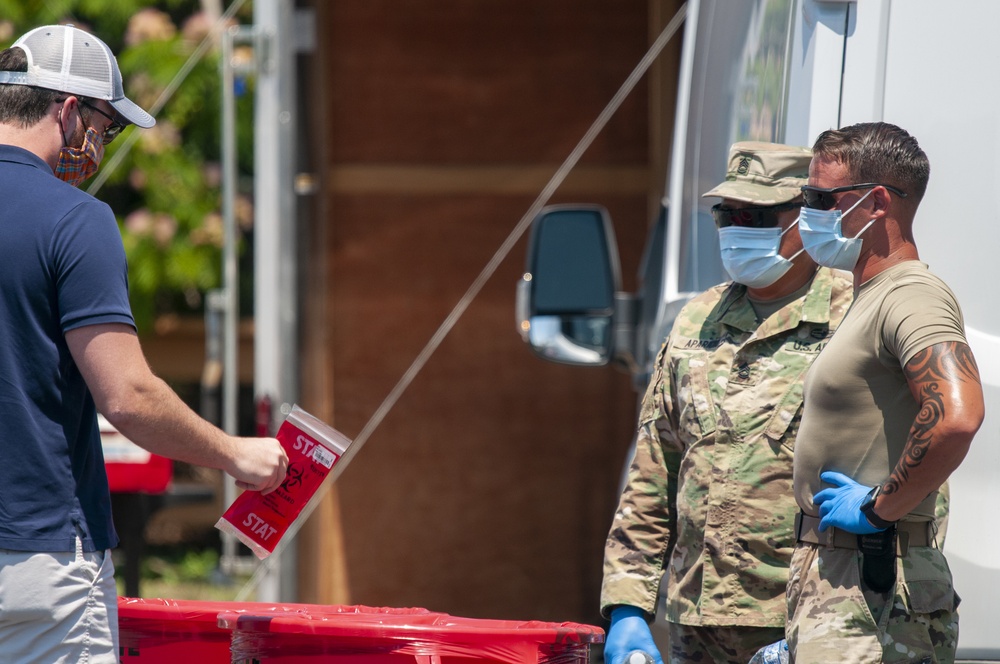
{"type": "Point", "coordinates": [878, 559]}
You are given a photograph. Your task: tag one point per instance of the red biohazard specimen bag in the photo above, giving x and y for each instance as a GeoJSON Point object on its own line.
{"type": "Point", "coordinates": [313, 447]}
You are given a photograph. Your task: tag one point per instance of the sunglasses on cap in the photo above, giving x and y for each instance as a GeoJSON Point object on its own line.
{"type": "Point", "coordinates": [824, 199]}
{"type": "Point", "coordinates": [750, 217]}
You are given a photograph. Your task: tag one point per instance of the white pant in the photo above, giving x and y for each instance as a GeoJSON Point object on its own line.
{"type": "Point", "coordinates": [58, 608]}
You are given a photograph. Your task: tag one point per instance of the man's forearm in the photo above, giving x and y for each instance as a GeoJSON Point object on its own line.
{"type": "Point", "coordinates": [140, 404]}
{"type": "Point", "coordinates": [944, 379]}
{"type": "Point", "coordinates": [156, 419]}
{"type": "Point", "coordinates": [149, 413]}
{"type": "Point", "coordinates": [925, 465]}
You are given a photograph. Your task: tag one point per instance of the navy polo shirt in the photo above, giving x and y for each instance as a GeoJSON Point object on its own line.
{"type": "Point", "coordinates": [62, 266]}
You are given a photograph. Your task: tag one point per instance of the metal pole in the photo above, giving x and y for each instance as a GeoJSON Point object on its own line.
{"type": "Point", "coordinates": [211, 373]}
{"type": "Point", "coordinates": [275, 254]}
{"type": "Point", "coordinates": [230, 266]}
{"type": "Point", "coordinates": [230, 275]}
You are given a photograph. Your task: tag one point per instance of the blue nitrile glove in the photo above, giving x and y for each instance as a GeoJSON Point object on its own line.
{"type": "Point", "coordinates": [628, 631]}
{"type": "Point", "coordinates": [840, 506]}
{"type": "Point", "coordinates": [776, 653]}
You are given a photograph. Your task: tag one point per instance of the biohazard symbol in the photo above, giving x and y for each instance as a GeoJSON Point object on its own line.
{"type": "Point", "coordinates": [293, 477]}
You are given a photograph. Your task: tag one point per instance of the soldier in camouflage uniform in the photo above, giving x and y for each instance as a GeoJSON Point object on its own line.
{"type": "Point", "coordinates": [708, 503]}
{"type": "Point", "coordinates": [892, 406]}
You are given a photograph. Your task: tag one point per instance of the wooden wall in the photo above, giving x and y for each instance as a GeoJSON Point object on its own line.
{"type": "Point", "coordinates": [488, 489]}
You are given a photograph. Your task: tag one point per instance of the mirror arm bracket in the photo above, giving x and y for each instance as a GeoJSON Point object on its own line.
{"type": "Point", "coordinates": [626, 317]}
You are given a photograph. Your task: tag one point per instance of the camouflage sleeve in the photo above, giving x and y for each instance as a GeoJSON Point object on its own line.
{"type": "Point", "coordinates": [644, 523]}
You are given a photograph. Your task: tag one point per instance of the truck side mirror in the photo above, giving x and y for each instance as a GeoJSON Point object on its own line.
{"type": "Point", "coordinates": [566, 297]}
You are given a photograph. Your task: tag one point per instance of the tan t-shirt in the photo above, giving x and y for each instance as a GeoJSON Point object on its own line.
{"type": "Point", "coordinates": [858, 410]}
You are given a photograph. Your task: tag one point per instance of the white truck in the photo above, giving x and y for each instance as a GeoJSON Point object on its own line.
{"type": "Point", "coordinates": [783, 71]}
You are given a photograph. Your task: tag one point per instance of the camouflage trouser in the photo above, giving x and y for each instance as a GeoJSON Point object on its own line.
{"type": "Point", "coordinates": [832, 617]}
{"type": "Point", "coordinates": [683, 644]}
{"type": "Point", "coordinates": [716, 645]}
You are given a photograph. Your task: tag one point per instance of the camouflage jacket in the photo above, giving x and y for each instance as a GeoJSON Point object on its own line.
{"type": "Point", "coordinates": [708, 498]}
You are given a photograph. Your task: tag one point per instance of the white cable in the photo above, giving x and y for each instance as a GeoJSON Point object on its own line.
{"type": "Point", "coordinates": [470, 294]}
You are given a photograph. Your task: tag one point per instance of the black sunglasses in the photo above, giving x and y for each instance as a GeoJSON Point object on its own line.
{"type": "Point", "coordinates": [113, 129]}
{"type": "Point", "coordinates": [750, 217]}
{"type": "Point", "coordinates": [824, 199]}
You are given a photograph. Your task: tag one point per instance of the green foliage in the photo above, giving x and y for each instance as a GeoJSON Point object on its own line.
{"type": "Point", "coordinates": [180, 565]}
{"type": "Point", "coordinates": [182, 572]}
{"type": "Point", "coordinates": [166, 187]}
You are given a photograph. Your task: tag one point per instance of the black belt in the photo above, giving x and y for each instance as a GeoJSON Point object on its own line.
{"type": "Point", "coordinates": [909, 533]}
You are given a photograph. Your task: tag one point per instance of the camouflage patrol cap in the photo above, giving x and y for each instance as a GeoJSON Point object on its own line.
{"type": "Point", "coordinates": [764, 173]}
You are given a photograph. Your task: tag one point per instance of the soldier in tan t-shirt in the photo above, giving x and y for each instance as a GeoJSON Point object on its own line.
{"type": "Point", "coordinates": [891, 406]}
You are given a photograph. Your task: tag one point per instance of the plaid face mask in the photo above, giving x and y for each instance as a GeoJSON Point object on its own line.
{"type": "Point", "coordinates": [77, 164]}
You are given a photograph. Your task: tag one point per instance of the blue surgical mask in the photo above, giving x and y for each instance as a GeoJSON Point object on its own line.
{"type": "Point", "coordinates": [823, 239]}
{"type": "Point", "coordinates": [750, 255]}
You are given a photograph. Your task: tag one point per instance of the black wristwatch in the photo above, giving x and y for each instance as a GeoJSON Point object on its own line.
{"type": "Point", "coordinates": [868, 509]}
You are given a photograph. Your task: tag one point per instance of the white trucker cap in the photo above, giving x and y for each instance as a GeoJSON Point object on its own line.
{"type": "Point", "coordinates": [67, 59]}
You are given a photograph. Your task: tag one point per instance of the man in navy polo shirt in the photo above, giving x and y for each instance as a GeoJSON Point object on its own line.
{"type": "Point", "coordinates": [69, 348]}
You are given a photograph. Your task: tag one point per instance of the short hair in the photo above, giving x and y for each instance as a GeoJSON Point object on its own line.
{"type": "Point", "coordinates": [878, 152]}
{"type": "Point", "coordinates": [22, 104]}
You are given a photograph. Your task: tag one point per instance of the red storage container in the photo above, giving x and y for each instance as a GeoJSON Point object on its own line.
{"type": "Point", "coordinates": [130, 468]}
{"type": "Point", "coordinates": [166, 631]}
{"type": "Point", "coordinates": [397, 638]}
{"type": "Point", "coordinates": [157, 631]}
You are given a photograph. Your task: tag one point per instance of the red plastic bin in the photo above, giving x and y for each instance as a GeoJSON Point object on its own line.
{"type": "Point", "coordinates": [162, 630]}
{"type": "Point", "coordinates": [166, 631]}
{"type": "Point", "coordinates": [130, 468]}
{"type": "Point", "coordinates": [394, 638]}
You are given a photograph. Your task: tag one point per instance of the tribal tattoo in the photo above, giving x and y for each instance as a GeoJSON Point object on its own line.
{"type": "Point", "coordinates": [929, 374]}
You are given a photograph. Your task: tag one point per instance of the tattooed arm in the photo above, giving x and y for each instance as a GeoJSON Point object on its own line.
{"type": "Point", "coordinates": [944, 380]}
